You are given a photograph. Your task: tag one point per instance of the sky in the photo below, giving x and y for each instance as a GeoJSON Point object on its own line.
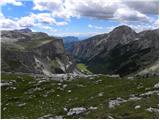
{"type": "Point", "coordinates": [81, 18]}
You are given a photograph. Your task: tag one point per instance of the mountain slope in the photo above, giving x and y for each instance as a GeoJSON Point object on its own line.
{"type": "Point", "coordinates": [34, 52]}
{"type": "Point", "coordinates": [83, 50]}
{"type": "Point", "coordinates": [122, 51]}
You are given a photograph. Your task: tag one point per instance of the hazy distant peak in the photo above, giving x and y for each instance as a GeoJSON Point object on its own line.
{"type": "Point", "coordinates": [25, 30]}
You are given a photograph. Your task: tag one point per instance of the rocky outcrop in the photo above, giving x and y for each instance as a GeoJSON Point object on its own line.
{"type": "Point", "coordinates": [34, 52]}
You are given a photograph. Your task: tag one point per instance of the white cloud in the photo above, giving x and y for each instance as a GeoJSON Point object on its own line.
{"type": "Point", "coordinates": [46, 27]}
{"type": "Point", "coordinates": [121, 10]}
{"type": "Point", "coordinates": [144, 6]}
{"type": "Point", "coordinates": [1, 16]}
{"type": "Point", "coordinates": [78, 34]}
{"type": "Point", "coordinates": [126, 14]}
{"type": "Point", "coordinates": [56, 7]}
{"type": "Point", "coordinates": [48, 19]}
{"type": "Point", "coordinates": [13, 2]}
{"type": "Point", "coordinates": [100, 9]}
{"type": "Point", "coordinates": [156, 23]}
{"type": "Point", "coordinates": [93, 8]}
{"type": "Point", "coordinates": [61, 23]}
{"type": "Point", "coordinates": [26, 22]}
{"type": "Point", "coordinates": [139, 28]}
{"type": "Point", "coordinates": [44, 18]}
{"type": "Point", "coordinates": [49, 5]}
{"type": "Point", "coordinates": [95, 27]}
{"type": "Point", "coordinates": [8, 24]}
{"type": "Point", "coordinates": [23, 22]}
{"type": "Point", "coordinates": [31, 20]}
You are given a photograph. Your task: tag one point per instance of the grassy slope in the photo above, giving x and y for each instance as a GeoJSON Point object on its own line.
{"type": "Point", "coordinates": [83, 68]}
{"type": "Point", "coordinates": [84, 93]}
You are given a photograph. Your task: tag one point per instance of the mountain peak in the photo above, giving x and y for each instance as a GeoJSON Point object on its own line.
{"type": "Point", "coordinates": [123, 28]}
{"type": "Point", "coordinates": [25, 30]}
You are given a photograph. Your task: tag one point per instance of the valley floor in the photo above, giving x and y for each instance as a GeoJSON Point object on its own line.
{"type": "Point", "coordinates": [24, 96]}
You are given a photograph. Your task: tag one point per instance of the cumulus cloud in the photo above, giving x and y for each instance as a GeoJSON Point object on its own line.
{"type": "Point", "coordinates": [156, 23]}
{"type": "Point", "coordinates": [119, 10]}
{"type": "Point", "coordinates": [31, 20]}
{"type": "Point", "coordinates": [72, 8]}
{"type": "Point", "coordinates": [94, 26]}
{"type": "Point", "coordinates": [26, 22]}
{"type": "Point", "coordinates": [8, 23]}
{"type": "Point", "coordinates": [139, 27]}
{"type": "Point", "coordinates": [44, 18]}
{"type": "Point", "coordinates": [144, 6]}
{"type": "Point", "coordinates": [78, 34]}
{"type": "Point", "coordinates": [46, 27]}
{"type": "Point", "coordinates": [61, 23]}
{"type": "Point", "coordinates": [13, 2]}
{"type": "Point", "coordinates": [100, 9]}
{"type": "Point", "coordinates": [126, 14]}
{"type": "Point", "coordinates": [48, 5]}
{"type": "Point", "coordinates": [23, 22]}
{"type": "Point", "coordinates": [47, 18]}
{"type": "Point", "coordinates": [56, 7]}
{"type": "Point", "coordinates": [96, 9]}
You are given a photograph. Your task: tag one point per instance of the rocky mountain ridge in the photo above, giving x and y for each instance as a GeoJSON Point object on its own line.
{"type": "Point", "coordinates": [122, 51]}
{"type": "Point", "coordinates": [34, 52]}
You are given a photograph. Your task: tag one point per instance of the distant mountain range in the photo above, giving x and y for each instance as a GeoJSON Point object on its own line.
{"type": "Point", "coordinates": [122, 51]}
{"type": "Point", "coordinates": [69, 40]}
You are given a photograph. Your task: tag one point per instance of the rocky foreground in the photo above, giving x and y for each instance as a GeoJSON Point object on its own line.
{"type": "Point", "coordinates": [92, 96]}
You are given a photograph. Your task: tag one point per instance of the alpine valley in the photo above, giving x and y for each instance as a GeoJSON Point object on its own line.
{"type": "Point", "coordinates": [110, 75]}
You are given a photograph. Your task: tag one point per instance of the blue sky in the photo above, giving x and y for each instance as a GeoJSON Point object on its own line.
{"type": "Point", "coordinates": [80, 18]}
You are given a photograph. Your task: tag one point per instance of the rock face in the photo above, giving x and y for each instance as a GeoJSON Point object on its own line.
{"type": "Point", "coordinates": [122, 51]}
{"type": "Point", "coordinates": [34, 52]}
{"type": "Point", "coordinates": [83, 50]}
